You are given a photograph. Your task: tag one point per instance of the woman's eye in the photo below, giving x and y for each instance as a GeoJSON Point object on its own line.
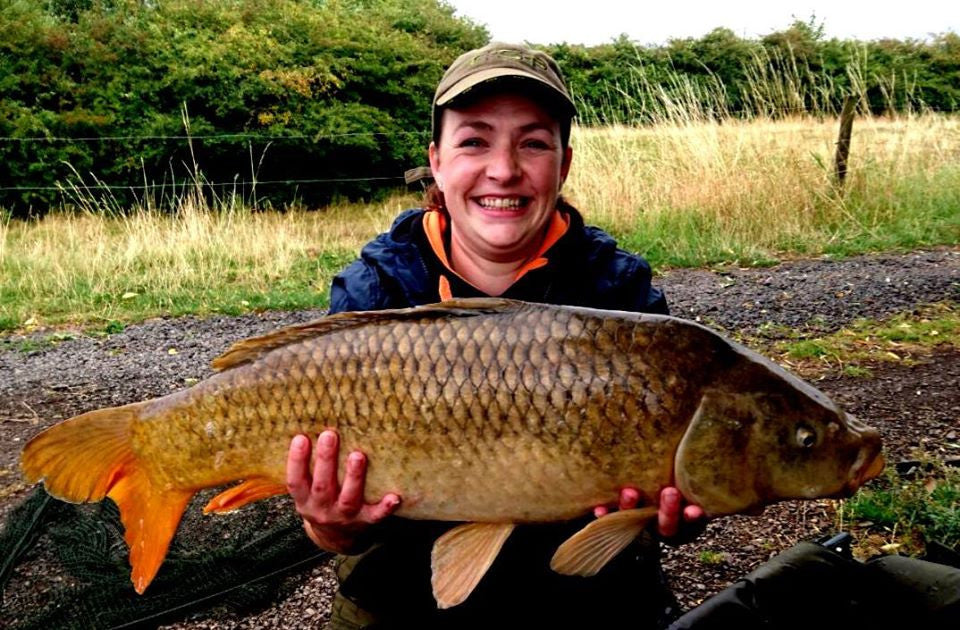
{"type": "Point", "coordinates": [537, 144]}
{"type": "Point", "coordinates": [470, 142]}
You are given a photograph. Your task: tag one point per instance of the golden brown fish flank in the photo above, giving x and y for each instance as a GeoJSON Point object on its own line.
{"type": "Point", "coordinates": [553, 380]}
{"type": "Point", "coordinates": [464, 395]}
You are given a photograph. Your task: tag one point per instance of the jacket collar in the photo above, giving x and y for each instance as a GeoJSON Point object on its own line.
{"type": "Point", "coordinates": [435, 224]}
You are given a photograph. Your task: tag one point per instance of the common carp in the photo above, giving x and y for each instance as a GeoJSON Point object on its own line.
{"type": "Point", "coordinates": [542, 412]}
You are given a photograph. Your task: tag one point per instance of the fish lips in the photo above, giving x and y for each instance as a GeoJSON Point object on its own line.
{"type": "Point", "coordinates": [866, 468]}
{"type": "Point", "coordinates": [872, 469]}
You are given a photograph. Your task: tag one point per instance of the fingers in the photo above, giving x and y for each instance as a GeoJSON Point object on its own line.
{"type": "Point", "coordinates": [351, 494]}
{"type": "Point", "coordinates": [298, 469]}
{"type": "Point", "coordinates": [379, 511]}
{"type": "Point", "coordinates": [693, 514]}
{"type": "Point", "coordinates": [320, 497]}
{"type": "Point", "coordinates": [629, 497]}
{"type": "Point", "coordinates": [673, 516]}
{"type": "Point", "coordinates": [668, 516]}
{"type": "Point", "coordinates": [325, 486]}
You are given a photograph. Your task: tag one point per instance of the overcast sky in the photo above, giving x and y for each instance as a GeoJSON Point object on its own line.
{"type": "Point", "coordinates": [600, 21]}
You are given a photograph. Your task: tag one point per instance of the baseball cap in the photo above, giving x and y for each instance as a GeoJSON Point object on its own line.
{"type": "Point", "coordinates": [498, 62]}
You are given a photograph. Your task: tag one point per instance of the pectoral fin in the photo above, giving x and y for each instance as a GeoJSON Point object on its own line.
{"type": "Point", "coordinates": [247, 492]}
{"type": "Point", "coordinates": [591, 548]}
{"type": "Point", "coordinates": [462, 556]}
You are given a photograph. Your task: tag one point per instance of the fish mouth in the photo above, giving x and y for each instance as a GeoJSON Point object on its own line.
{"type": "Point", "coordinates": [870, 461]}
{"type": "Point", "coordinates": [873, 469]}
{"type": "Point", "coordinates": [867, 467]}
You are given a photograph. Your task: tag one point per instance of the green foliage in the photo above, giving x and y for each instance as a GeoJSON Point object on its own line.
{"type": "Point", "coordinates": [786, 72]}
{"type": "Point", "coordinates": [113, 327]}
{"type": "Point", "coordinates": [808, 349]}
{"type": "Point", "coordinates": [926, 506]}
{"type": "Point", "coordinates": [320, 90]}
{"type": "Point", "coordinates": [867, 342]}
{"type": "Point", "coordinates": [710, 557]}
{"type": "Point", "coordinates": [340, 90]}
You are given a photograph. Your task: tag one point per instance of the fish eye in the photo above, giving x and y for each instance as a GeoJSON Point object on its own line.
{"type": "Point", "coordinates": [806, 437]}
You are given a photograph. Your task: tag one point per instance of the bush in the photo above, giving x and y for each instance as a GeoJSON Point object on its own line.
{"type": "Point", "coordinates": [318, 90]}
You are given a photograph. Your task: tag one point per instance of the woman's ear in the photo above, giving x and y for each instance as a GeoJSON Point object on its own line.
{"type": "Point", "coordinates": [565, 164]}
{"type": "Point", "coordinates": [434, 154]}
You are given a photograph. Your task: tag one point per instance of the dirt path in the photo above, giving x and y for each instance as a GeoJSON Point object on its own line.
{"type": "Point", "coordinates": [916, 408]}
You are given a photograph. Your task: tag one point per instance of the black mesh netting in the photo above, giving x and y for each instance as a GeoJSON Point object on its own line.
{"type": "Point", "coordinates": [75, 559]}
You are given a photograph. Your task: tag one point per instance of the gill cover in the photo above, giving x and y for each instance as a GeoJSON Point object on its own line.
{"type": "Point", "coordinates": [716, 466]}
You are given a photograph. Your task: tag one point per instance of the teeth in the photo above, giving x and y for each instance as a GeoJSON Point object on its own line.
{"type": "Point", "coordinates": [500, 202]}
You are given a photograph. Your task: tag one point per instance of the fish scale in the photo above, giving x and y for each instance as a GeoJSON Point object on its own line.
{"type": "Point", "coordinates": [486, 411]}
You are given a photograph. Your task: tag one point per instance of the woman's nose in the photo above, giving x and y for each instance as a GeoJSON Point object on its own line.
{"type": "Point", "coordinates": [503, 164]}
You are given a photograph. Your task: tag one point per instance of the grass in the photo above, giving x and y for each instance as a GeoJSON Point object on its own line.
{"type": "Point", "coordinates": [902, 338]}
{"type": "Point", "coordinates": [897, 515]}
{"type": "Point", "coordinates": [686, 191]}
{"type": "Point", "coordinates": [105, 271]}
{"type": "Point", "coordinates": [751, 192]}
{"type": "Point", "coordinates": [712, 558]}
{"type": "Point", "coordinates": [34, 344]}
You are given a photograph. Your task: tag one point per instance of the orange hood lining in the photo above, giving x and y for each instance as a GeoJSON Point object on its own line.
{"type": "Point", "coordinates": [435, 224]}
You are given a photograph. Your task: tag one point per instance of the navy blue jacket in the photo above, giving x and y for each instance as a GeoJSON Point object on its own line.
{"type": "Point", "coordinates": [399, 269]}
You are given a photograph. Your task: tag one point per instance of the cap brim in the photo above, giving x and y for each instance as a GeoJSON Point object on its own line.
{"type": "Point", "coordinates": [465, 84]}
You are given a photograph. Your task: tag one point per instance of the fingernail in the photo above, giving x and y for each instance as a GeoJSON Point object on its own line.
{"type": "Point", "coordinates": [355, 458]}
{"type": "Point", "coordinates": [327, 439]}
{"type": "Point", "coordinates": [299, 443]}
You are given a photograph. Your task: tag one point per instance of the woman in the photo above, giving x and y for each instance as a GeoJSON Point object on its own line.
{"type": "Point", "coordinates": [494, 225]}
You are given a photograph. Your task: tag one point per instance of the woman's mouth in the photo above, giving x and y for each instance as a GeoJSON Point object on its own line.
{"type": "Point", "coordinates": [502, 203]}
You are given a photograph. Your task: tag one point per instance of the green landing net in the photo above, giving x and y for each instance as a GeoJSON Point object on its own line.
{"type": "Point", "coordinates": [71, 563]}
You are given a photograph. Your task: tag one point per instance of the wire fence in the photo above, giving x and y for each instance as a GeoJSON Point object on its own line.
{"type": "Point", "coordinates": [76, 183]}
{"type": "Point", "coordinates": [218, 136]}
{"type": "Point", "coordinates": [205, 184]}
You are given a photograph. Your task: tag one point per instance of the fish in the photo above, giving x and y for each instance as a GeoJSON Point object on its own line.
{"type": "Point", "coordinates": [486, 412]}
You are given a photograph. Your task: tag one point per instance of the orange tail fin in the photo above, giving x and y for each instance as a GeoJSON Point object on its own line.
{"type": "Point", "coordinates": [90, 457]}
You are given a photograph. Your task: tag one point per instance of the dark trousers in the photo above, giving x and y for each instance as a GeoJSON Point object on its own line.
{"type": "Point", "coordinates": [814, 588]}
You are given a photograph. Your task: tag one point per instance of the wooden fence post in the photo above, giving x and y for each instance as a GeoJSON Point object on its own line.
{"type": "Point", "coordinates": [843, 142]}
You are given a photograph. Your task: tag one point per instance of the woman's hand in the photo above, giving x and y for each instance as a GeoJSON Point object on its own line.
{"type": "Point", "coordinates": [676, 522]}
{"type": "Point", "coordinates": [334, 516]}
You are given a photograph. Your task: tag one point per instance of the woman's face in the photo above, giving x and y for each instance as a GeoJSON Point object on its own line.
{"type": "Point", "coordinates": [500, 164]}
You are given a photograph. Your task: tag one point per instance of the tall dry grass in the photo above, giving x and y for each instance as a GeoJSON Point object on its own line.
{"type": "Point", "coordinates": [764, 186]}
{"type": "Point", "coordinates": [102, 266]}
{"type": "Point", "coordinates": [682, 192]}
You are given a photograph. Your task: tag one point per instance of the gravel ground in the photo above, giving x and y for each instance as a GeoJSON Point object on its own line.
{"type": "Point", "coordinates": [916, 408]}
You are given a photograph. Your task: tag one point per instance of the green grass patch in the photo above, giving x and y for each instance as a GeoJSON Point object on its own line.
{"type": "Point", "coordinates": [710, 557]}
{"type": "Point", "coordinates": [903, 515]}
{"type": "Point", "coordinates": [45, 294]}
{"type": "Point", "coordinates": [865, 342]}
{"type": "Point", "coordinates": [35, 344]}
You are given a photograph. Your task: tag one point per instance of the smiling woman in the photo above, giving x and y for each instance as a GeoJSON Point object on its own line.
{"type": "Point", "coordinates": [493, 224]}
{"type": "Point", "coordinates": [500, 164]}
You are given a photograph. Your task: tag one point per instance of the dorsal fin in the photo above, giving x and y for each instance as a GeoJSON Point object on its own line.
{"type": "Point", "coordinates": [249, 350]}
